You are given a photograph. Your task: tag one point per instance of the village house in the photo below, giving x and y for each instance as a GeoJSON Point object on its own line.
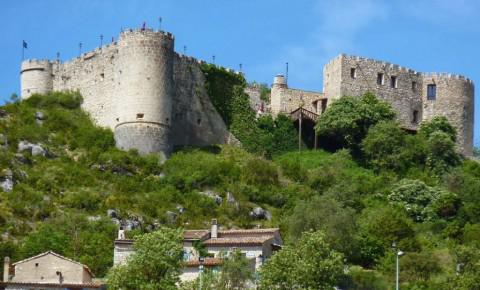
{"type": "Point", "coordinates": [47, 271]}
{"type": "Point", "coordinates": [256, 244]}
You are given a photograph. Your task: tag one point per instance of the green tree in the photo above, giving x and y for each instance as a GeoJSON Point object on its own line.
{"type": "Point", "coordinates": [346, 121]}
{"type": "Point", "coordinates": [310, 264]}
{"type": "Point", "coordinates": [439, 123]}
{"type": "Point", "coordinates": [329, 216]}
{"type": "Point", "coordinates": [236, 272]}
{"type": "Point", "coordinates": [423, 202]}
{"type": "Point", "coordinates": [384, 147]}
{"type": "Point", "coordinates": [155, 264]}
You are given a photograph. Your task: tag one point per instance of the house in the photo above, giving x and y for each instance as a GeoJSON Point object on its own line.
{"type": "Point", "coordinates": [47, 271]}
{"type": "Point", "coordinates": [256, 244]}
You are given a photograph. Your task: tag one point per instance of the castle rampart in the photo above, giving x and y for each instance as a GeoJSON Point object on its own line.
{"type": "Point", "coordinates": [151, 97]}
{"type": "Point", "coordinates": [415, 96]}
{"type": "Point", "coordinates": [36, 77]}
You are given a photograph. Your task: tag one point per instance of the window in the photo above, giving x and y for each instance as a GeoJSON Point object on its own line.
{"type": "Point", "coordinates": [414, 86]}
{"type": "Point", "coordinates": [380, 79]}
{"type": "Point", "coordinates": [415, 117]}
{"type": "Point", "coordinates": [431, 92]}
{"type": "Point", "coordinates": [140, 116]}
{"type": "Point", "coordinates": [324, 105]}
{"type": "Point", "coordinates": [353, 73]}
{"type": "Point", "coordinates": [393, 81]}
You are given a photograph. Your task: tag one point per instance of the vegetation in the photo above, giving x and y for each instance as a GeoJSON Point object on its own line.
{"type": "Point", "coordinates": [155, 264]}
{"type": "Point", "coordinates": [263, 136]}
{"type": "Point", "coordinates": [310, 264]}
{"type": "Point", "coordinates": [378, 186]}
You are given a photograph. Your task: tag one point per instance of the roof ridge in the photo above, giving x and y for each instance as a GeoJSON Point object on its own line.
{"type": "Point", "coordinates": [57, 255]}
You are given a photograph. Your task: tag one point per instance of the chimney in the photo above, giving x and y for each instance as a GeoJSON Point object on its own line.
{"type": "Point", "coordinates": [214, 231]}
{"type": "Point", "coordinates": [6, 269]}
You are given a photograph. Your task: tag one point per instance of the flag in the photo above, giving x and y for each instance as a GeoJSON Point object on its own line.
{"type": "Point", "coordinates": [25, 45]}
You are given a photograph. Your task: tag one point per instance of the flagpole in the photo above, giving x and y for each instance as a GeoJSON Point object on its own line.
{"type": "Point", "coordinates": [23, 50]}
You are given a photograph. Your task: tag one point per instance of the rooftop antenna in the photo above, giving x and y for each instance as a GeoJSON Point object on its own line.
{"type": "Point", "coordinates": [58, 56]}
{"type": "Point", "coordinates": [240, 66]}
{"type": "Point", "coordinates": [101, 40]}
{"type": "Point", "coordinates": [159, 23]}
{"type": "Point", "coordinates": [24, 46]}
{"type": "Point", "coordinates": [213, 59]}
{"type": "Point", "coordinates": [79, 49]}
{"type": "Point", "coordinates": [184, 50]}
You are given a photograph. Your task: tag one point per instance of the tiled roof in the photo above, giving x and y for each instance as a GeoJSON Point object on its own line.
{"type": "Point", "coordinates": [195, 234]}
{"type": "Point", "coordinates": [240, 241]}
{"type": "Point", "coordinates": [56, 255]}
{"type": "Point", "coordinates": [53, 285]}
{"type": "Point", "coordinates": [249, 232]}
{"type": "Point", "coordinates": [209, 262]}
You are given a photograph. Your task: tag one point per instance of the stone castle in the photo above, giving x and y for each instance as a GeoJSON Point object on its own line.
{"type": "Point", "coordinates": [154, 98]}
{"type": "Point", "coordinates": [415, 96]}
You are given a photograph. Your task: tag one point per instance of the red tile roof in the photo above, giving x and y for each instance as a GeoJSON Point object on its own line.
{"type": "Point", "coordinates": [209, 262]}
{"type": "Point", "coordinates": [240, 241]}
{"type": "Point", "coordinates": [195, 234]}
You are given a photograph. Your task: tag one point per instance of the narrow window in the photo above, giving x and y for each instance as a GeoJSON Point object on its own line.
{"type": "Point", "coordinates": [393, 81]}
{"type": "Point", "coordinates": [353, 73]}
{"type": "Point", "coordinates": [324, 105]}
{"type": "Point", "coordinates": [432, 92]}
{"type": "Point", "coordinates": [380, 81]}
{"type": "Point", "coordinates": [140, 116]}
{"type": "Point", "coordinates": [415, 117]}
{"type": "Point", "coordinates": [199, 121]}
{"type": "Point", "coordinates": [315, 106]}
{"type": "Point", "coordinates": [414, 86]}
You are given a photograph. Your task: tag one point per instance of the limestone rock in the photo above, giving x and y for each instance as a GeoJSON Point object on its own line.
{"type": "Point", "coordinates": [39, 117]}
{"type": "Point", "coordinates": [215, 196]}
{"type": "Point", "coordinates": [34, 149]}
{"type": "Point", "coordinates": [22, 159]}
{"type": "Point", "coordinates": [180, 208]}
{"type": "Point", "coordinates": [171, 217]}
{"type": "Point", "coordinates": [6, 180]}
{"type": "Point", "coordinates": [260, 213]}
{"type": "Point", "coordinates": [112, 213]}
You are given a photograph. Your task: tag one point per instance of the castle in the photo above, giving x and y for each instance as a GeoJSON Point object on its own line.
{"type": "Point", "coordinates": [415, 96]}
{"type": "Point", "coordinates": [154, 98]}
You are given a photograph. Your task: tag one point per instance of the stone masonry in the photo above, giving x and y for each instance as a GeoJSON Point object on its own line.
{"type": "Point", "coordinates": [151, 97]}
{"type": "Point", "coordinates": [406, 90]}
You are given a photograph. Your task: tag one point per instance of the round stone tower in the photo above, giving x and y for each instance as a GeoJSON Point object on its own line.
{"type": "Point", "coordinates": [36, 77]}
{"type": "Point", "coordinates": [144, 91]}
{"type": "Point", "coordinates": [451, 96]}
{"type": "Point", "coordinates": [277, 95]}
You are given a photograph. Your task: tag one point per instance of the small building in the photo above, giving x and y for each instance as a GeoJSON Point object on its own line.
{"type": "Point", "coordinates": [256, 244]}
{"type": "Point", "coordinates": [47, 271]}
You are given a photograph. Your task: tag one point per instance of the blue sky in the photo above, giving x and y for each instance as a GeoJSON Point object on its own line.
{"type": "Point", "coordinates": [425, 35]}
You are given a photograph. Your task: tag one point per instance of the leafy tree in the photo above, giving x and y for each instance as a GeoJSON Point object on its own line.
{"type": "Point", "coordinates": [155, 264]}
{"type": "Point", "coordinates": [419, 267]}
{"type": "Point", "coordinates": [423, 202]}
{"type": "Point", "coordinates": [347, 120]}
{"type": "Point", "coordinates": [310, 264]}
{"type": "Point", "coordinates": [438, 123]}
{"type": "Point", "coordinates": [441, 155]}
{"type": "Point", "coordinates": [327, 215]}
{"type": "Point", "coordinates": [384, 147]}
{"type": "Point", "coordinates": [236, 272]}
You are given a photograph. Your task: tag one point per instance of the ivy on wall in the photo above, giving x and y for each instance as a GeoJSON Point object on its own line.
{"type": "Point", "coordinates": [264, 135]}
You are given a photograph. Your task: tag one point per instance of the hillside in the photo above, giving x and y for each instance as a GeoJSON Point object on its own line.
{"type": "Point", "coordinates": [65, 187]}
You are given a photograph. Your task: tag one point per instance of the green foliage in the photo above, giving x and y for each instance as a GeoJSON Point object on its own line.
{"type": "Point", "coordinates": [310, 264]}
{"type": "Point", "coordinates": [155, 264]}
{"type": "Point", "coordinates": [327, 215]}
{"type": "Point", "coordinates": [235, 273]}
{"type": "Point", "coordinates": [439, 123]}
{"type": "Point", "coordinates": [263, 136]}
{"type": "Point", "coordinates": [346, 121]}
{"type": "Point", "coordinates": [419, 266]}
{"type": "Point", "coordinates": [265, 93]}
{"type": "Point", "coordinates": [423, 202]}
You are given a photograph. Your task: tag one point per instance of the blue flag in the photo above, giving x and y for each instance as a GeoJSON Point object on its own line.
{"type": "Point", "coordinates": [25, 45]}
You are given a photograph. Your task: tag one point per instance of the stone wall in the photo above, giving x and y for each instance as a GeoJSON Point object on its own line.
{"type": "Point", "coordinates": [404, 94]}
{"type": "Point", "coordinates": [152, 98]}
{"type": "Point", "coordinates": [454, 100]}
{"type": "Point", "coordinates": [285, 100]}
{"type": "Point", "coordinates": [354, 76]}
